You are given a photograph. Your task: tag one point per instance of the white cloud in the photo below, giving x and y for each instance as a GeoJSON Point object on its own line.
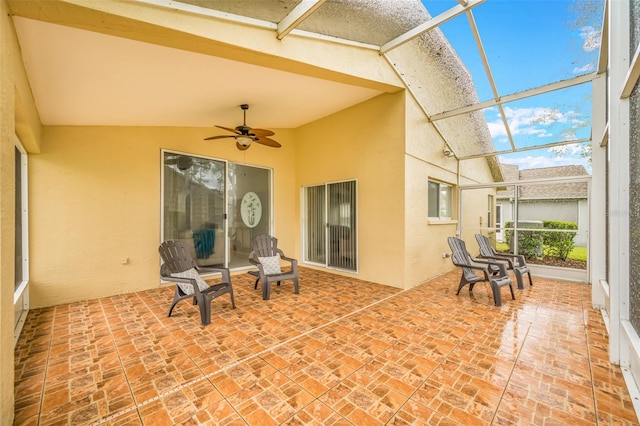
{"type": "Point", "coordinates": [529, 121]}
{"type": "Point", "coordinates": [574, 149]}
{"type": "Point", "coordinates": [590, 38]}
{"type": "Point", "coordinates": [584, 69]}
{"type": "Point", "coordinates": [539, 161]}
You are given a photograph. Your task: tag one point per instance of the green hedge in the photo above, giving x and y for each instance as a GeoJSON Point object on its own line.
{"type": "Point", "coordinates": [556, 244]}
{"type": "Point", "coordinates": [559, 244]}
{"type": "Point", "coordinates": [529, 242]}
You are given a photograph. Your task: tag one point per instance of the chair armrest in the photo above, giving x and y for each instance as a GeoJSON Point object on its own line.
{"type": "Point", "coordinates": [294, 262]}
{"type": "Point", "coordinates": [519, 257]}
{"type": "Point", "coordinates": [497, 258]}
{"type": "Point", "coordinates": [191, 281]}
{"type": "Point", "coordinates": [484, 269]}
{"type": "Point", "coordinates": [500, 265]}
{"type": "Point", "coordinates": [259, 266]}
{"type": "Point", "coordinates": [226, 276]}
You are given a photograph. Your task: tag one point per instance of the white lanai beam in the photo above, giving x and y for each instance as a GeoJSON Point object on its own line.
{"type": "Point", "coordinates": [429, 25]}
{"type": "Point", "coordinates": [492, 82]}
{"type": "Point", "coordinates": [296, 16]}
{"type": "Point", "coordinates": [516, 96]}
{"type": "Point", "coordinates": [527, 148]}
{"type": "Point", "coordinates": [632, 76]}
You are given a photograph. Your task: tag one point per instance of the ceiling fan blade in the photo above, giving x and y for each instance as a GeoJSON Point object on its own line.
{"type": "Point", "coordinates": [218, 137]}
{"type": "Point", "coordinates": [261, 132]}
{"type": "Point", "coordinates": [228, 129]}
{"type": "Point", "coordinates": [268, 142]}
{"type": "Point", "coordinates": [242, 148]}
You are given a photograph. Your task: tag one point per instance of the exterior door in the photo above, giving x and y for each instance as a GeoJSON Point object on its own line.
{"type": "Point", "coordinates": [330, 229]}
{"type": "Point", "coordinates": [194, 206]}
{"type": "Point", "coordinates": [215, 207]}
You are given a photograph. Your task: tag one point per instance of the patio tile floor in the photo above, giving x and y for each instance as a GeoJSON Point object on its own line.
{"type": "Point", "coordinates": [342, 352]}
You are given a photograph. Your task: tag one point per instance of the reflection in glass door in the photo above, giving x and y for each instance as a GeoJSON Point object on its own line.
{"type": "Point", "coordinates": [199, 194]}
{"type": "Point", "coordinates": [249, 207]}
{"type": "Point", "coordinates": [194, 209]}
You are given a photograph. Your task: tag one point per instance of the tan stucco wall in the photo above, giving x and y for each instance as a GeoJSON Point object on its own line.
{"type": "Point", "coordinates": [95, 199]}
{"type": "Point", "coordinates": [7, 226]}
{"type": "Point", "coordinates": [18, 116]}
{"type": "Point", "coordinates": [426, 241]}
{"type": "Point", "coordinates": [364, 142]}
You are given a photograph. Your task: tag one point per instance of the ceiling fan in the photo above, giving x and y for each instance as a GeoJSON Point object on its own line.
{"type": "Point", "coordinates": [245, 135]}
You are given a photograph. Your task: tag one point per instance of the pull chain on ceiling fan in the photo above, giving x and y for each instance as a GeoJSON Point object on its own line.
{"type": "Point", "coordinates": [245, 135]}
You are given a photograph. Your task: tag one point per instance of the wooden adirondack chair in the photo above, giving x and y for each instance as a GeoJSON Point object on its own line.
{"type": "Point", "coordinates": [463, 259]}
{"type": "Point", "coordinates": [516, 262]}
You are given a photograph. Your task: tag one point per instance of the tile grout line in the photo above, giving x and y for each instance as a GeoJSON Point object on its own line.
{"type": "Point", "coordinates": [238, 362]}
{"type": "Point", "coordinates": [515, 362]}
{"type": "Point", "coordinates": [46, 370]}
{"type": "Point", "coordinates": [586, 335]}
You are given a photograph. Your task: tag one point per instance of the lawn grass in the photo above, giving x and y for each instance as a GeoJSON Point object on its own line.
{"type": "Point", "coordinates": [578, 253]}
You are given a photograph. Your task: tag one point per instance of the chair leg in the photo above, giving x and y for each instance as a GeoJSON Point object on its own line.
{"type": "Point", "coordinates": [518, 274]}
{"type": "Point", "coordinates": [178, 296]}
{"type": "Point", "coordinates": [463, 282]}
{"type": "Point", "coordinates": [255, 286]}
{"type": "Point", "coordinates": [266, 287]}
{"type": "Point", "coordinates": [496, 284]}
{"type": "Point", "coordinates": [296, 289]}
{"type": "Point", "coordinates": [233, 300]}
{"type": "Point", "coordinates": [495, 289]}
{"type": "Point", "coordinates": [173, 305]}
{"type": "Point", "coordinates": [205, 310]}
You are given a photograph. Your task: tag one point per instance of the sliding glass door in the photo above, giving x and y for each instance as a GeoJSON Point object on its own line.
{"type": "Point", "coordinates": [330, 229]}
{"type": "Point", "coordinates": [194, 209]}
{"type": "Point", "coordinates": [249, 206]}
{"type": "Point", "coordinates": [200, 194]}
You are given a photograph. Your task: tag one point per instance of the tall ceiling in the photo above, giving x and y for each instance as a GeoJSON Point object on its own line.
{"type": "Point", "coordinates": [80, 77]}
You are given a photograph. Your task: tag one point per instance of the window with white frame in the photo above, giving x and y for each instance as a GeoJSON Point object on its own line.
{"type": "Point", "coordinates": [440, 200]}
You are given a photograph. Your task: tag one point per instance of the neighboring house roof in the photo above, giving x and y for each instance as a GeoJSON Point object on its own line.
{"type": "Point", "coordinates": [545, 191]}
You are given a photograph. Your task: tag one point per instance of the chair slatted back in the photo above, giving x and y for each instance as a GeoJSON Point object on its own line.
{"type": "Point", "coordinates": [176, 256]}
{"type": "Point", "coordinates": [485, 246]}
{"type": "Point", "coordinates": [461, 257]}
{"type": "Point", "coordinates": [264, 246]}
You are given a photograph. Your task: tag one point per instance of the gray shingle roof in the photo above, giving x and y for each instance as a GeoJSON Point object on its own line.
{"type": "Point", "coordinates": [545, 191]}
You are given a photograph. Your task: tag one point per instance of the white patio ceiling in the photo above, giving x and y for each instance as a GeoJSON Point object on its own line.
{"type": "Point", "coordinates": [82, 78]}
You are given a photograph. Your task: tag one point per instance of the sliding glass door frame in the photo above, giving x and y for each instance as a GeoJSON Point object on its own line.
{"type": "Point", "coordinates": [237, 230]}
{"type": "Point", "coordinates": [337, 248]}
{"type": "Point", "coordinates": [21, 289]}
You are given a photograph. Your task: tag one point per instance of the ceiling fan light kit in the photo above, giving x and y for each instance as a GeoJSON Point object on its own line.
{"type": "Point", "coordinates": [244, 140]}
{"type": "Point", "coordinates": [245, 135]}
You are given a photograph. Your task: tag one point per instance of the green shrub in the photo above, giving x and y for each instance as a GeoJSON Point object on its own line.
{"type": "Point", "coordinates": [556, 244]}
{"type": "Point", "coordinates": [559, 244]}
{"type": "Point", "coordinates": [529, 242]}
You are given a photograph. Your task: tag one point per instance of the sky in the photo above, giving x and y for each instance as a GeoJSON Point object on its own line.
{"type": "Point", "coordinates": [531, 43]}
